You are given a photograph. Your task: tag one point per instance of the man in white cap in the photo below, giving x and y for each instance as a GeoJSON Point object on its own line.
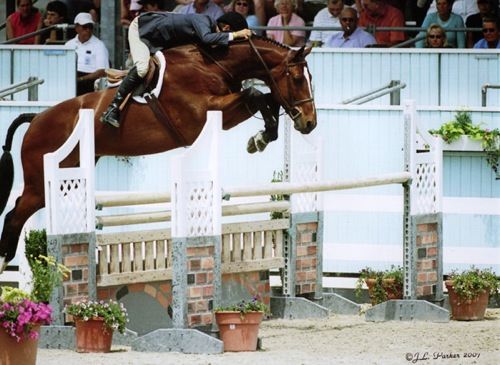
{"type": "Point", "coordinates": [92, 55]}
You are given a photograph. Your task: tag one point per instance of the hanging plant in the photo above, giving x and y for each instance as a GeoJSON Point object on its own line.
{"type": "Point", "coordinates": [462, 126]}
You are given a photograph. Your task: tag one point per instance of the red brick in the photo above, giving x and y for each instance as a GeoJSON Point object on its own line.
{"type": "Point", "coordinates": [195, 292]}
{"type": "Point", "coordinates": [71, 290]}
{"type": "Point", "coordinates": [79, 248]}
{"type": "Point", "coordinates": [194, 320]}
{"type": "Point", "coordinates": [312, 250]}
{"type": "Point", "coordinates": [311, 275]}
{"type": "Point", "coordinates": [426, 265]}
{"type": "Point", "coordinates": [165, 288]}
{"type": "Point", "coordinates": [207, 263]}
{"type": "Point", "coordinates": [76, 261]}
{"type": "Point", "coordinates": [150, 290]}
{"type": "Point", "coordinates": [427, 289]}
{"type": "Point", "coordinates": [300, 276]}
{"type": "Point", "coordinates": [420, 291]}
{"type": "Point", "coordinates": [194, 265]}
{"type": "Point", "coordinates": [103, 293]}
{"type": "Point", "coordinates": [83, 288]}
{"type": "Point", "coordinates": [305, 237]}
{"type": "Point", "coordinates": [206, 319]}
{"type": "Point", "coordinates": [135, 288]}
{"type": "Point", "coordinates": [429, 238]}
{"type": "Point", "coordinates": [419, 241]}
{"type": "Point", "coordinates": [162, 300]}
{"type": "Point", "coordinates": [421, 277]}
{"type": "Point", "coordinates": [208, 291]}
{"type": "Point", "coordinates": [432, 251]}
{"type": "Point", "coordinates": [200, 278]}
{"type": "Point", "coordinates": [432, 276]}
{"type": "Point", "coordinates": [301, 251]}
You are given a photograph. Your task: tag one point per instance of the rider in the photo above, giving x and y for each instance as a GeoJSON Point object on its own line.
{"type": "Point", "coordinates": [154, 31]}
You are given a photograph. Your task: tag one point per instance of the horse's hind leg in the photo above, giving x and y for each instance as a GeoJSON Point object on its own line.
{"type": "Point", "coordinates": [26, 205]}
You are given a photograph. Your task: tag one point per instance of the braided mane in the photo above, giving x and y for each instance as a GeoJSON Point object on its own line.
{"type": "Point", "coordinates": [272, 41]}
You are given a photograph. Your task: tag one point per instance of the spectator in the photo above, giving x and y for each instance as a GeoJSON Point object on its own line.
{"type": "Point", "coordinates": [379, 14]}
{"type": "Point", "coordinates": [92, 55]}
{"type": "Point", "coordinates": [464, 8]}
{"type": "Point", "coordinates": [151, 5]}
{"type": "Point", "coordinates": [352, 36]}
{"type": "Point", "coordinates": [264, 10]}
{"type": "Point", "coordinates": [207, 7]}
{"type": "Point", "coordinates": [308, 9]}
{"type": "Point", "coordinates": [491, 34]}
{"type": "Point", "coordinates": [247, 9]}
{"type": "Point", "coordinates": [56, 13]}
{"type": "Point", "coordinates": [287, 17]}
{"type": "Point", "coordinates": [129, 9]}
{"type": "Point", "coordinates": [436, 37]}
{"type": "Point", "coordinates": [83, 6]}
{"type": "Point", "coordinates": [487, 8]}
{"type": "Point", "coordinates": [27, 19]}
{"type": "Point", "coordinates": [446, 19]}
{"type": "Point", "coordinates": [327, 17]}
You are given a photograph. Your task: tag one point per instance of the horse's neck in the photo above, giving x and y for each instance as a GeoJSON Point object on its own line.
{"type": "Point", "coordinates": [243, 59]}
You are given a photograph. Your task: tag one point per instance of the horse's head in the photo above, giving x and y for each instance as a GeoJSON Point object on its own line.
{"type": "Point", "coordinates": [294, 90]}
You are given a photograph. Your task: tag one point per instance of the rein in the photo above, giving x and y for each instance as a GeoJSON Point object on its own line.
{"type": "Point", "coordinates": [291, 110]}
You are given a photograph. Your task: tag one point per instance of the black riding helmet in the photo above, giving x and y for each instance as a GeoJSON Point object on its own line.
{"type": "Point", "coordinates": [236, 21]}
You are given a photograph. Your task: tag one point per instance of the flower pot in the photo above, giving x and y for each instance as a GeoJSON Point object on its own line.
{"type": "Point", "coordinates": [467, 309]}
{"type": "Point", "coordinates": [93, 335]}
{"type": "Point", "coordinates": [15, 353]}
{"type": "Point", "coordinates": [392, 290]}
{"type": "Point", "coordinates": [238, 331]}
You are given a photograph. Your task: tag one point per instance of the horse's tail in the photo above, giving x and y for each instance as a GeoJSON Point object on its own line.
{"type": "Point", "coordinates": [6, 164]}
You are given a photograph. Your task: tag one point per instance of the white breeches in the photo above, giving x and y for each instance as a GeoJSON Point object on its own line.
{"type": "Point", "coordinates": [138, 49]}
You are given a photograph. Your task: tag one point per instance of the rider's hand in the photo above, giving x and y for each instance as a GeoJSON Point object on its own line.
{"type": "Point", "coordinates": [244, 33]}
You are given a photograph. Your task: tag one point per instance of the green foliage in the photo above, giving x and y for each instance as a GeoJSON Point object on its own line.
{"type": "Point", "coordinates": [113, 313]}
{"type": "Point", "coordinates": [470, 283]}
{"type": "Point", "coordinates": [47, 274]}
{"type": "Point", "coordinates": [13, 295]}
{"type": "Point", "coordinates": [243, 307]}
{"type": "Point", "coordinates": [35, 244]}
{"type": "Point", "coordinates": [463, 126]}
{"type": "Point", "coordinates": [278, 177]}
{"type": "Point", "coordinates": [379, 292]}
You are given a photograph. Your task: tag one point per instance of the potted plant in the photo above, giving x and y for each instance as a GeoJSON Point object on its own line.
{"type": "Point", "coordinates": [239, 324]}
{"type": "Point", "coordinates": [382, 285]}
{"type": "Point", "coordinates": [20, 319]}
{"type": "Point", "coordinates": [469, 292]}
{"type": "Point", "coordinates": [95, 322]}
{"type": "Point", "coordinates": [47, 274]}
{"type": "Point", "coordinates": [462, 126]}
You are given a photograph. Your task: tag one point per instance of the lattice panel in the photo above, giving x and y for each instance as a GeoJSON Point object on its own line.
{"type": "Point", "coordinates": [199, 209]}
{"type": "Point", "coordinates": [71, 206]}
{"type": "Point", "coordinates": [425, 189]}
{"type": "Point", "coordinates": [305, 202]}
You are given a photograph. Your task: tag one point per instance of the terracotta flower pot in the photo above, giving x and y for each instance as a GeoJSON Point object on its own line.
{"type": "Point", "coordinates": [467, 309]}
{"type": "Point", "coordinates": [15, 353]}
{"type": "Point", "coordinates": [239, 332]}
{"type": "Point", "coordinates": [93, 335]}
{"type": "Point", "coordinates": [392, 291]}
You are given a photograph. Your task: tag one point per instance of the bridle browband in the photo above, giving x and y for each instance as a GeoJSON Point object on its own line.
{"type": "Point", "coordinates": [291, 110]}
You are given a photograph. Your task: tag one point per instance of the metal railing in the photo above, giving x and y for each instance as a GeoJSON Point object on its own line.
{"type": "Point", "coordinates": [31, 84]}
{"type": "Point", "coordinates": [394, 88]}
{"type": "Point", "coordinates": [484, 92]}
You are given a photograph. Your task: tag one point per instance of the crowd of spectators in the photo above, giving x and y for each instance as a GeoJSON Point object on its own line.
{"type": "Point", "coordinates": [355, 22]}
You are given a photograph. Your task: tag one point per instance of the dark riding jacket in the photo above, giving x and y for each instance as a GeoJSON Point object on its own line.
{"type": "Point", "coordinates": [160, 30]}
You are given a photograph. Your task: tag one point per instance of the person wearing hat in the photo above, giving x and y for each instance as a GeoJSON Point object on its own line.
{"type": "Point", "coordinates": [154, 31]}
{"type": "Point", "coordinates": [92, 55]}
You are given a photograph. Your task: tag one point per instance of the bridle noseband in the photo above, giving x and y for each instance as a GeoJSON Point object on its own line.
{"type": "Point", "coordinates": [291, 110]}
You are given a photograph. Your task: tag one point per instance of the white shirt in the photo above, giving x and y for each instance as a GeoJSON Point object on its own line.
{"type": "Point", "coordinates": [91, 55]}
{"type": "Point", "coordinates": [324, 19]}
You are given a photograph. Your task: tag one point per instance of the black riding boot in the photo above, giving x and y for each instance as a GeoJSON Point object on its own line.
{"type": "Point", "coordinates": [112, 115]}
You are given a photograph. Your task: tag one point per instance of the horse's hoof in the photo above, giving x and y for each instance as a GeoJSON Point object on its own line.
{"type": "Point", "coordinates": [251, 147]}
{"type": "Point", "coordinates": [260, 142]}
{"type": "Point", "coordinates": [3, 264]}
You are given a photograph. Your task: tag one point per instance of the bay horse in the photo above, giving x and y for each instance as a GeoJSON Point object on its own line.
{"type": "Point", "coordinates": [197, 80]}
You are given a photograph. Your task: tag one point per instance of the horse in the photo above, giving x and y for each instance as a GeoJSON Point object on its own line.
{"type": "Point", "coordinates": [197, 80]}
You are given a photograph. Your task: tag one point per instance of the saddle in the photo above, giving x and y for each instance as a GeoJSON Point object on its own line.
{"type": "Point", "coordinates": [115, 77]}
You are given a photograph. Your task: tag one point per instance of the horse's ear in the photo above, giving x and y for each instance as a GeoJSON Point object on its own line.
{"type": "Point", "coordinates": [295, 55]}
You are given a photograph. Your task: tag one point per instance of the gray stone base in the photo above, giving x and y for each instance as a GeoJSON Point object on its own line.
{"type": "Point", "coordinates": [57, 337]}
{"type": "Point", "coordinates": [296, 308]}
{"type": "Point", "coordinates": [407, 310]}
{"type": "Point", "coordinates": [64, 337]}
{"type": "Point", "coordinates": [188, 341]}
{"type": "Point", "coordinates": [338, 304]}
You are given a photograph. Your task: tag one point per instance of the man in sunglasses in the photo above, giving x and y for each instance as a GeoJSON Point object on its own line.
{"type": "Point", "coordinates": [491, 34]}
{"type": "Point", "coordinates": [352, 36]}
{"type": "Point", "coordinates": [91, 53]}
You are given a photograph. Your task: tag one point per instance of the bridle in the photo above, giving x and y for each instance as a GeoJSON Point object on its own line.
{"type": "Point", "coordinates": [290, 109]}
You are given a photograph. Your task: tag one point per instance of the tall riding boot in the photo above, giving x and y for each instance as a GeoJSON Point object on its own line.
{"type": "Point", "coordinates": [112, 115]}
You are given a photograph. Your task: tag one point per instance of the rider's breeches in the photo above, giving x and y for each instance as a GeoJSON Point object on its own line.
{"type": "Point", "coordinates": [138, 49]}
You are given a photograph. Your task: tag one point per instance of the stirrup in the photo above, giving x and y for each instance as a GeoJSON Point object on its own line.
{"type": "Point", "coordinates": [105, 119]}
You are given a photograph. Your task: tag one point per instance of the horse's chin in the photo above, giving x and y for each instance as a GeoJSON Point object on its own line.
{"type": "Point", "coordinates": [305, 127]}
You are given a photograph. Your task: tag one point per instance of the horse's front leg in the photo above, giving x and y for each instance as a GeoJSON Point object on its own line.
{"type": "Point", "coordinates": [240, 106]}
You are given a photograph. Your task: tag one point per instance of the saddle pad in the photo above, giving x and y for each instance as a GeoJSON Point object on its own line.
{"type": "Point", "coordinates": [161, 71]}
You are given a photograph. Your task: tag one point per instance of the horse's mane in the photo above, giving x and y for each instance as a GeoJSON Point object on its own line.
{"type": "Point", "coordinates": [194, 47]}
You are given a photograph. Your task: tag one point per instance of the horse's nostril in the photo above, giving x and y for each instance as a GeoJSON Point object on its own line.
{"type": "Point", "coordinates": [310, 126]}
